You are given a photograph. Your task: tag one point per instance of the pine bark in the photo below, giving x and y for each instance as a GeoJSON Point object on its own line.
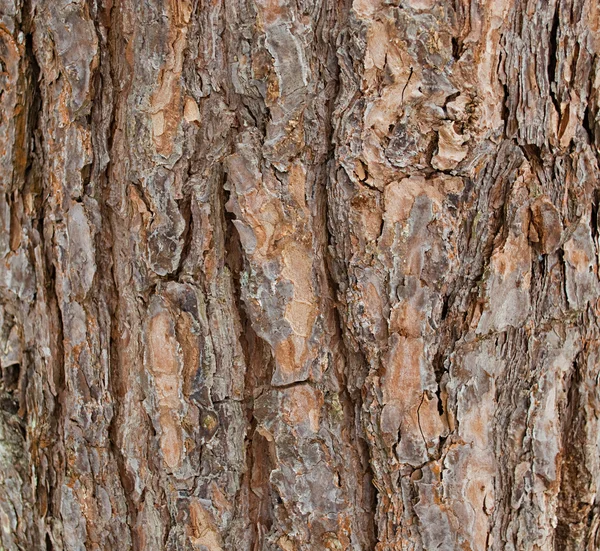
{"type": "Point", "coordinates": [299, 275]}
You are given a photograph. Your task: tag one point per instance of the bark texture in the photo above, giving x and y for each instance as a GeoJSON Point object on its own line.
{"type": "Point", "coordinates": [299, 275]}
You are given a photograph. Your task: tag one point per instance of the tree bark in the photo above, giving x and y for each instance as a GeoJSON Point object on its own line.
{"type": "Point", "coordinates": [299, 275]}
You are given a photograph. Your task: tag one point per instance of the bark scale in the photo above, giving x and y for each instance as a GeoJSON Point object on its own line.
{"type": "Point", "coordinates": [299, 275]}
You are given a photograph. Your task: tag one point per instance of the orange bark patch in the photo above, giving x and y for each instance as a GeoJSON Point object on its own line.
{"type": "Point", "coordinates": [303, 405]}
{"type": "Point", "coordinates": [406, 320]}
{"type": "Point", "coordinates": [546, 225]}
{"type": "Point", "coordinates": [163, 346]}
{"type": "Point", "coordinates": [297, 184]}
{"type": "Point", "coordinates": [166, 108]}
{"type": "Point", "coordinates": [191, 113]}
{"type": "Point", "coordinates": [204, 534]}
{"type": "Point", "coordinates": [291, 355]}
{"type": "Point", "coordinates": [270, 10]}
{"type": "Point", "coordinates": [402, 379]}
{"type": "Point", "coordinates": [171, 443]}
{"type": "Point", "coordinates": [164, 366]}
{"type": "Point", "coordinates": [300, 312]}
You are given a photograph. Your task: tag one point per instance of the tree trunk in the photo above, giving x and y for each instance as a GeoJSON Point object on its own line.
{"type": "Point", "coordinates": [299, 275]}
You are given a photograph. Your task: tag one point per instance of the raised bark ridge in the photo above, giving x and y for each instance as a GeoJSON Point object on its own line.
{"type": "Point", "coordinates": [299, 275]}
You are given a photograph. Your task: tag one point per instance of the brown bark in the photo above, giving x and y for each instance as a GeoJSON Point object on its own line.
{"type": "Point", "coordinates": [299, 275]}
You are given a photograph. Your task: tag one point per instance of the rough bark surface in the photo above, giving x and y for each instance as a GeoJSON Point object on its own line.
{"type": "Point", "coordinates": [299, 275]}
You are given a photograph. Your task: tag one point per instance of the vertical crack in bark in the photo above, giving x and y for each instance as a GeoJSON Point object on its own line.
{"type": "Point", "coordinates": [563, 266]}
{"type": "Point", "coordinates": [255, 493]}
{"type": "Point", "coordinates": [19, 363]}
{"type": "Point", "coordinates": [353, 395]}
{"type": "Point", "coordinates": [573, 508]}
{"type": "Point", "coordinates": [104, 122]}
{"type": "Point", "coordinates": [354, 402]}
{"type": "Point", "coordinates": [553, 57]}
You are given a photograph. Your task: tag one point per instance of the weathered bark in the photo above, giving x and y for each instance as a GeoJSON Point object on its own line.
{"type": "Point", "coordinates": [299, 275]}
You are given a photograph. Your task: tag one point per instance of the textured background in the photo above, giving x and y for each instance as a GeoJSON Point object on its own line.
{"type": "Point", "coordinates": [299, 275]}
